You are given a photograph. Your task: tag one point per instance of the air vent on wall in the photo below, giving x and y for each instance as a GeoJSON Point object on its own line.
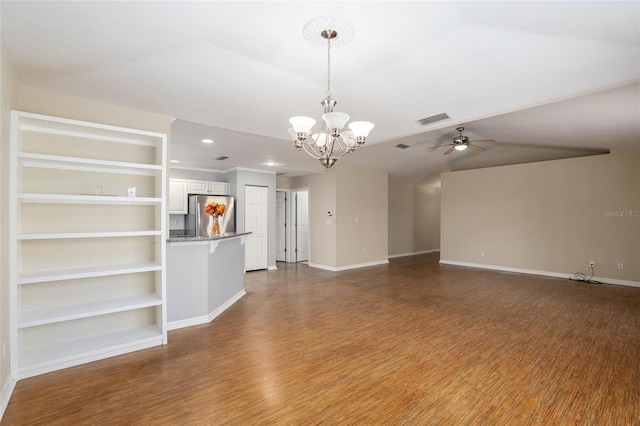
{"type": "Point", "coordinates": [222, 157]}
{"type": "Point", "coordinates": [402, 146]}
{"type": "Point", "coordinates": [434, 119]}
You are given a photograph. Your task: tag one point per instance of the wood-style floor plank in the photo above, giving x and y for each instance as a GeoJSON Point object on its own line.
{"type": "Point", "coordinates": [412, 342]}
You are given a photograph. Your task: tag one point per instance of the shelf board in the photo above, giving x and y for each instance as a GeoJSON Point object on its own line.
{"type": "Point", "coordinates": [86, 164]}
{"type": "Point", "coordinates": [42, 316]}
{"type": "Point", "coordinates": [34, 277]}
{"type": "Point", "coordinates": [86, 199]}
{"type": "Point", "coordinates": [73, 352]}
{"type": "Point", "coordinates": [65, 127]}
{"type": "Point", "coordinates": [71, 235]}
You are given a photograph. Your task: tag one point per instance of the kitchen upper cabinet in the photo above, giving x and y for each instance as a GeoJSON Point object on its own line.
{"type": "Point", "coordinates": [208, 188]}
{"type": "Point", "coordinates": [178, 196]}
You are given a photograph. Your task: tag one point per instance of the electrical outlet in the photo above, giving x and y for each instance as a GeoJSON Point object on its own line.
{"type": "Point", "coordinates": [482, 254]}
{"type": "Point", "coordinates": [592, 263]}
{"type": "Point", "coordinates": [620, 266]}
{"type": "Point", "coordinates": [131, 191]}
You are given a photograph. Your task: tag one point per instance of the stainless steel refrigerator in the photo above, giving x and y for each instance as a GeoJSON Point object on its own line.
{"type": "Point", "coordinates": [198, 222]}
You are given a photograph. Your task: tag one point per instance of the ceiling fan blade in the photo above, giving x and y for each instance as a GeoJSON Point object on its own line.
{"type": "Point", "coordinates": [475, 148]}
{"type": "Point", "coordinates": [449, 150]}
{"type": "Point", "coordinates": [484, 141]}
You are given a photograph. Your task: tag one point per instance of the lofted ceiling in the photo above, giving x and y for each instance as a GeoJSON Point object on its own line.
{"type": "Point", "coordinates": [544, 79]}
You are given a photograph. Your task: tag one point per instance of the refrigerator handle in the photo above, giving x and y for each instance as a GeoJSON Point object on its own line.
{"type": "Point", "coordinates": [197, 230]}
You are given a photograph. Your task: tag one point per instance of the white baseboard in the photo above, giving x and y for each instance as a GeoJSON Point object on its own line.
{"type": "Point", "coordinates": [89, 356]}
{"type": "Point", "coordinates": [203, 319]}
{"type": "Point", "coordinates": [226, 305]}
{"type": "Point", "coordinates": [189, 322]}
{"type": "Point", "coordinates": [413, 253]}
{"type": "Point", "coordinates": [272, 268]}
{"type": "Point", "coordinates": [344, 268]}
{"type": "Point", "coordinates": [537, 272]}
{"type": "Point", "coordinates": [5, 394]}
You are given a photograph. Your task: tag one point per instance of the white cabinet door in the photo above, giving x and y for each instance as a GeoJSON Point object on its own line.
{"type": "Point", "coordinates": [177, 196]}
{"type": "Point", "coordinates": [199, 187]}
{"type": "Point", "coordinates": [208, 188]}
{"type": "Point", "coordinates": [219, 188]}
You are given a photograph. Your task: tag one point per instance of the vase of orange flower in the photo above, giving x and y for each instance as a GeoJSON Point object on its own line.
{"type": "Point", "coordinates": [215, 210]}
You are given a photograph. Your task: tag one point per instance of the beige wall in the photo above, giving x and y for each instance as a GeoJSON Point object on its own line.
{"type": "Point", "coordinates": [58, 105]}
{"type": "Point", "coordinates": [283, 182]}
{"type": "Point", "coordinates": [9, 86]}
{"type": "Point", "coordinates": [427, 199]}
{"type": "Point", "coordinates": [414, 216]}
{"type": "Point", "coordinates": [552, 216]}
{"type": "Point", "coordinates": [348, 192]}
{"type": "Point", "coordinates": [322, 198]}
{"type": "Point", "coordinates": [401, 217]}
{"type": "Point", "coordinates": [361, 194]}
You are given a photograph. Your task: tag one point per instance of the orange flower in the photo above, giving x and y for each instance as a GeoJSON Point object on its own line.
{"type": "Point", "coordinates": [216, 210]}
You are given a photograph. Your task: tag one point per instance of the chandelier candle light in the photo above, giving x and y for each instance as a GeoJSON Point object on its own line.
{"type": "Point", "coordinates": [330, 143]}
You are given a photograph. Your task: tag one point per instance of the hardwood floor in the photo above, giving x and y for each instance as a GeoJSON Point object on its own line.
{"type": "Point", "coordinates": [412, 342]}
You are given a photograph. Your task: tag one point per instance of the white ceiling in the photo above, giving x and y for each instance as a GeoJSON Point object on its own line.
{"type": "Point", "coordinates": [544, 79]}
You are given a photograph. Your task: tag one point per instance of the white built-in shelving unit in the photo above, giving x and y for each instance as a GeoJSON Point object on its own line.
{"type": "Point", "coordinates": [87, 258]}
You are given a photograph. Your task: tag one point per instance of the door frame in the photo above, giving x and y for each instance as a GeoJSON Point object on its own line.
{"type": "Point", "coordinates": [293, 229]}
{"type": "Point", "coordinates": [287, 231]}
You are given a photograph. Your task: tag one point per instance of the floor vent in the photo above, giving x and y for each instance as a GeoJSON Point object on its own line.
{"type": "Point", "coordinates": [434, 119]}
{"type": "Point", "coordinates": [402, 146]}
{"type": "Point", "coordinates": [222, 157]}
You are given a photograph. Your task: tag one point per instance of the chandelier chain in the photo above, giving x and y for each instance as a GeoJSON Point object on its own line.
{"type": "Point", "coordinates": [328, 93]}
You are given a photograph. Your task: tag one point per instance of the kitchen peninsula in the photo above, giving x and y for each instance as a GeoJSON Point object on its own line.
{"type": "Point", "coordinates": [205, 276]}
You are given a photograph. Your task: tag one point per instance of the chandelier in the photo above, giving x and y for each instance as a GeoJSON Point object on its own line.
{"type": "Point", "coordinates": [330, 143]}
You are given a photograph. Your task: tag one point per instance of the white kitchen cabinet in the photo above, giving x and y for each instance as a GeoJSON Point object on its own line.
{"type": "Point", "coordinates": [208, 188]}
{"type": "Point", "coordinates": [178, 196]}
{"type": "Point", "coordinates": [88, 275]}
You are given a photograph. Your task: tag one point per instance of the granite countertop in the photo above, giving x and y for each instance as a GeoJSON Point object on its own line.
{"type": "Point", "coordinates": [177, 237]}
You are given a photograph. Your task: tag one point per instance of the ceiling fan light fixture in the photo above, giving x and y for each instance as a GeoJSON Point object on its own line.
{"type": "Point", "coordinates": [460, 147]}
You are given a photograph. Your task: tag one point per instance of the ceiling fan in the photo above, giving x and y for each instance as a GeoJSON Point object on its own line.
{"type": "Point", "coordinates": [462, 142]}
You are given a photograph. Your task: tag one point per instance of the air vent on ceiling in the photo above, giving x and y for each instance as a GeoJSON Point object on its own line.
{"type": "Point", "coordinates": [434, 119]}
{"type": "Point", "coordinates": [402, 146]}
{"type": "Point", "coordinates": [222, 157]}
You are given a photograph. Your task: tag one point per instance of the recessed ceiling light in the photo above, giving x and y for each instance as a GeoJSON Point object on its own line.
{"type": "Point", "coordinates": [270, 163]}
{"type": "Point", "coordinates": [175, 161]}
{"type": "Point", "coordinates": [207, 140]}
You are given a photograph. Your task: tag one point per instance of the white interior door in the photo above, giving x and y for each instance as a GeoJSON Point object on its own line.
{"type": "Point", "coordinates": [302, 225]}
{"type": "Point", "coordinates": [281, 226]}
{"type": "Point", "coordinates": [255, 221]}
